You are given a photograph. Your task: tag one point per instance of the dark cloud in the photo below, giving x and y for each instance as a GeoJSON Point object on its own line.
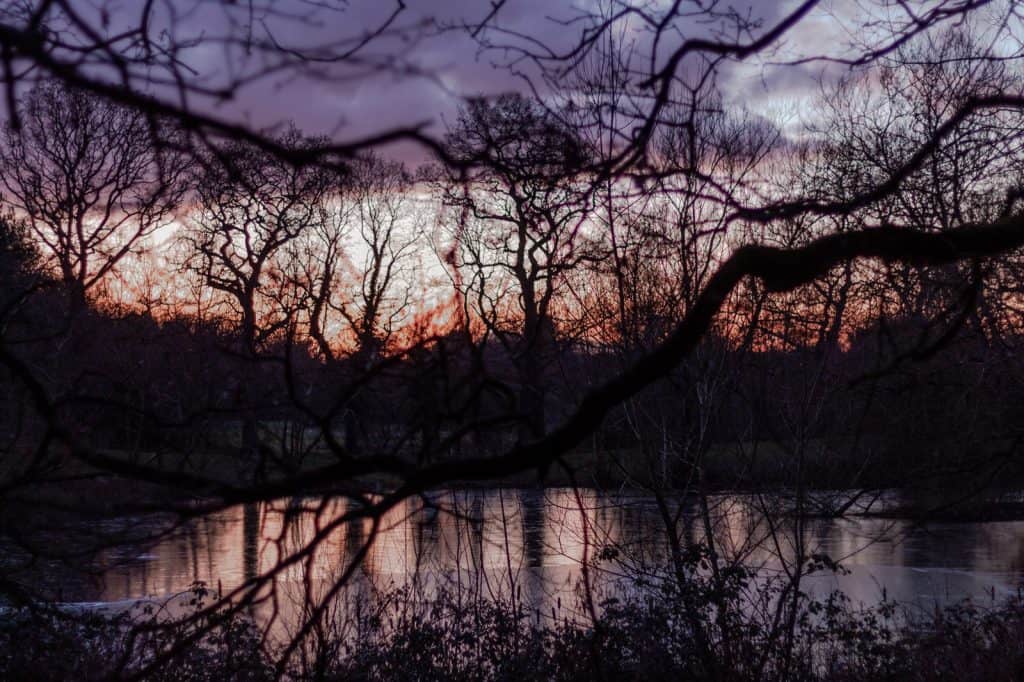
{"type": "Point", "coordinates": [421, 75]}
{"type": "Point", "coordinates": [424, 84]}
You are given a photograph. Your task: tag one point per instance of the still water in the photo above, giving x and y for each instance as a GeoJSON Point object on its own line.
{"type": "Point", "coordinates": [533, 543]}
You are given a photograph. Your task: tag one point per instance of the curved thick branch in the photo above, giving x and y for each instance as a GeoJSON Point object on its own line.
{"type": "Point", "coordinates": [779, 270]}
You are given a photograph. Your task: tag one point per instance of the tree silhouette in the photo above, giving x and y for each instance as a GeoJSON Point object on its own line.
{"type": "Point", "coordinates": [87, 178]}
{"type": "Point", "coordinates": [522, 228]}
{"type": "Point", "coordinates": [600, 231]}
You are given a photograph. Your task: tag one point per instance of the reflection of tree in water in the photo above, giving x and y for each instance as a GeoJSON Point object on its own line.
{"type": "Point", "coordinates": [207, 533]}
{"type": "Point", "coordinates": [426, 526]}
{"type": "Point", "coordinates": [250, 540]}
{"type": "Point", "coordinates": [476, 530]}
{"type": "Point", "coordinates": [464, 547]}
{"type": "Point", "coordinates": [1015, 557]}
{"type": "Point", "coordinates": [532, 506]}
{"type": "Point", "coordinates": [355, 538]}
{"type": "Point", "coordinates": [532, 583]}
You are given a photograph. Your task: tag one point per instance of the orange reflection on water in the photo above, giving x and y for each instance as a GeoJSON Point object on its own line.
{"type": "Point", "coordinates": [532, 545]}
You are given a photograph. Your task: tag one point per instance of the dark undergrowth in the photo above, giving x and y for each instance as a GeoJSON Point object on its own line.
{"type": "Point", "coordinates": [664, 634]}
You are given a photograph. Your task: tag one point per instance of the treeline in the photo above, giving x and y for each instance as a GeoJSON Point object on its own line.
{"type": "Point", "coordinates": [225, 310]}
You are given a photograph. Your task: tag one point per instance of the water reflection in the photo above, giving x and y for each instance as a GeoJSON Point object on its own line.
{"type": "Point", "coordinates": [532, 544]}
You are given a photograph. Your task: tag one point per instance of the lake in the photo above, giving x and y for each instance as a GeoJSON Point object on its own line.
{"type": "Point", "coordinates": [533, 543]}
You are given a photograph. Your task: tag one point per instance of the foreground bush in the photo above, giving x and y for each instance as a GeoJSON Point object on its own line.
{"type": "Point", "coordinates": [648, 637]}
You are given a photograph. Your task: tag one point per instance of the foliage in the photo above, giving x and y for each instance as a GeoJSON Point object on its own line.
{"type": "Point", "coordinates": [644, 637]}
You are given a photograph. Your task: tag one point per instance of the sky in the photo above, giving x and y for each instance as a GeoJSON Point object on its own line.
{"type": "Point", "coordinates": [418, 74]}
{"type": "Point", "coordinates": [428, 78]}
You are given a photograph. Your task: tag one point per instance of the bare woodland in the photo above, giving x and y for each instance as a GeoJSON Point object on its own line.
{"type": "Point", "coordinates": [614, 276]}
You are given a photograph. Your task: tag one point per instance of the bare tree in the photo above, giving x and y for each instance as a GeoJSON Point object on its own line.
{"type": "Point", "coordinates": [519, 186]}
{"type": "Point", "coordinates": [382, 277]}
{"type": "Point", "coordinates": [355, 276]}
{"type": "Point", "coordinates": [251, 207]}
{"type": "Point", "coordinates": [86, 175]}
{"type": "Point", "coordinates": [521, 227]}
